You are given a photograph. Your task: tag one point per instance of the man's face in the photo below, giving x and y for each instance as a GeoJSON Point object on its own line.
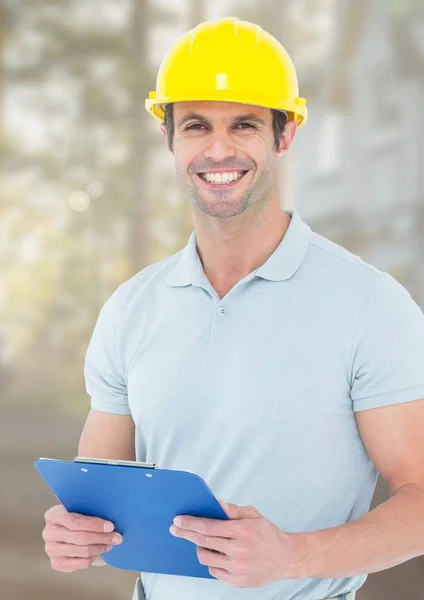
{"type": "Point", "coordinates": [225, 157]}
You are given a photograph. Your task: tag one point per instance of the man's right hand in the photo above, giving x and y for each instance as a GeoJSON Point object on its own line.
{"type": "Point", "coordinates": [74, 541]}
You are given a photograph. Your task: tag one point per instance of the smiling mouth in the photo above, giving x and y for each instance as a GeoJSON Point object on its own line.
{"type": "Point", "coordinates": [222, 179]}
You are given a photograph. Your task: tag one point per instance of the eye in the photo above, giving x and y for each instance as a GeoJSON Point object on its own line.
{"type": "Point", "coordinates": [195, 126]}
{"type": "Point", "coordinates": [247, 125]}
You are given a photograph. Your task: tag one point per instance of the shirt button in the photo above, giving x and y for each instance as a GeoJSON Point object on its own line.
{"type": "Point", "coordinates": [222, 310]}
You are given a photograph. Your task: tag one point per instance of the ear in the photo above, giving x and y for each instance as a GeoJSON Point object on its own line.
{"type": "Point", "coordinates": [287, 137]}
{"type": "Point", "coordinates": [165, 134]}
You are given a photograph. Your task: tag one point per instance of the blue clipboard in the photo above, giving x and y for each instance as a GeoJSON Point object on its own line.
{"type": "Point", "coordinates": [142, 501]}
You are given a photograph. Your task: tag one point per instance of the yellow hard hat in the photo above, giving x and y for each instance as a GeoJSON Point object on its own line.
{"type": "Point", "coordinates": [228, 60]}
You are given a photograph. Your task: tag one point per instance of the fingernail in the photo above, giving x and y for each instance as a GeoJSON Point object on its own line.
{"type": "Point", "coordinates": [117, 538]}
{"type": "Point", "coordinates": [108, 548]}
{"type": "Point", "coordinates": [108, 527]}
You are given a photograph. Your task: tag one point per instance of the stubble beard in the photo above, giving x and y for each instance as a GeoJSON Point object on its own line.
{"type": "Point", "coordinates": [258, 195]}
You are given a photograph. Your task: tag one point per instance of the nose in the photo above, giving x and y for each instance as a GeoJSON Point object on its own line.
{"type": "Point", "coordinates": [219, 147]}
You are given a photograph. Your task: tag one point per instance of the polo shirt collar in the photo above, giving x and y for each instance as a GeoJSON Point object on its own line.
{"type": "Point", "coordinates": [281, 265]}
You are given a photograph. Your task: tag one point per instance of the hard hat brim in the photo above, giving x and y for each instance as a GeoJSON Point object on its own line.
{"type": "Point", "coordinates": [297, 111]}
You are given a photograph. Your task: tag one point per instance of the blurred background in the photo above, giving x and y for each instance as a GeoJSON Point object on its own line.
{"type": "Point", "coordinates": [88, 198]}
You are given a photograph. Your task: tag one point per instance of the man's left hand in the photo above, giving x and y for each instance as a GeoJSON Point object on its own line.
{"type": "Point", "coordinates": [246, 551]}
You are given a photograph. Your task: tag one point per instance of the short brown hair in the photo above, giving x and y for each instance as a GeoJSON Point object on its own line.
{"type": "Point", "coordinates": [279, 120]}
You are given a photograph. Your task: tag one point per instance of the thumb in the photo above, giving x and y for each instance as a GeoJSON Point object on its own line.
{"type": "Point", "coordinates": [234, 511]}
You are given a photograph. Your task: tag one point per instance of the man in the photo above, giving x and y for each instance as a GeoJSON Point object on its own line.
{"type": "Point", "coordinates": [269, 360]}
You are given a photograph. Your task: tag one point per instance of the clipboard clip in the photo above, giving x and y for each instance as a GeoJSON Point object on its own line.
{"type": "Point", "coordinates": [109, 461]}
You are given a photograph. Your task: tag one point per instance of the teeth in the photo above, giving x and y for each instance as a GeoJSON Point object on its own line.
{"type": "Point", "coordinates": [221, 178]}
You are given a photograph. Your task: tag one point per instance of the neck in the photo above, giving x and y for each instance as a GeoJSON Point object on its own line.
{"type": "Point", "coordinates": [229, 252]}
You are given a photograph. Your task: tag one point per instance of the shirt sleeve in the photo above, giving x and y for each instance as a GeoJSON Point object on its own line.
{"type": "Point", "coordinates": [103, 369]}
{"type": "Point", "coordinates": [388, 347]}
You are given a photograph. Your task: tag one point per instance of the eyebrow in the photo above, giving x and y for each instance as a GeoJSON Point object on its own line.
{"type": "Point", "coordinates": [238, 119]}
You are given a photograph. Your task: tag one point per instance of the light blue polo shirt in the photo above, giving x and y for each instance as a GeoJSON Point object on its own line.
{"type": "Point", "coordinates": [257, 392]}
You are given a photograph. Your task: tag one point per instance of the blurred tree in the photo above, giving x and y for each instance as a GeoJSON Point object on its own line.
{"type": "Point", "coordinates": [3, 17]}
{"type": "Point", "coordinates": [351, 18]}
{"type": "Point", "coordinates": [197, 12]}
{"type": "Point", "coordinates": [85, 76]}
{"type": "Point", "coordinates": [139, 213]}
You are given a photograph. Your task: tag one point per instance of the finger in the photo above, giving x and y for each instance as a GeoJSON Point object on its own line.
{"type": "Point", "coordinates": [242, 512]}
{"type": "Point", "coordinates": [211, 527]}
{"type": "Point", "coordinates": [58, 549]}
{"type": "Point", "coordinates": [211, 558]}
{"type": "Point", "coordinates": [68, 565]}
{"type": "Point", "coordinates": [58, 515]}
{"type": "Point", "coordinates": [221, 574]}
{"type": "Point", "coordinates": [57, 533]}
{"type": "Point", "coordinates": [224, 545]}
{"type": "Point", "coordinates": [54, 513]}
{"type": "Point", "coordinates": [214, 560]}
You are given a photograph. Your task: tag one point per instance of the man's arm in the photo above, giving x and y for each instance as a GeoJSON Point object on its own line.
{"type": "Point", "coordinates": [107, 436]}
{"type": "Point", "coordinates": [75, 541]}
{"type": "Point", "coordinates": [393, 532]}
